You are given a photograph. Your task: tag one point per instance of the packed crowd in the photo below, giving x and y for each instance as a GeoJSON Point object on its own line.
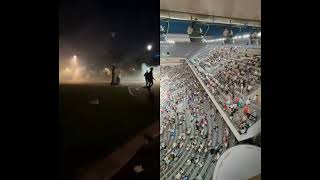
{"type": "Point", "coordinates": [193, 135]}
{"type": "Point", "coordinates": [233, 75]}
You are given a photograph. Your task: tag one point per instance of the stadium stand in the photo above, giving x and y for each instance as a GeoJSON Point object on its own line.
{"type": "Point", "coordinates": [192, 134]}
{"type": "Point", "coordinates": [211, 100]}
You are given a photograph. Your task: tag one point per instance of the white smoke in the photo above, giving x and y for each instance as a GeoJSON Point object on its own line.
{"type": "Point", "coordinates": [138, 75]}
{"type": "Point", "coordinates": [76, 73]}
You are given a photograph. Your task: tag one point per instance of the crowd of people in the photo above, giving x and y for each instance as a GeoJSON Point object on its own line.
{"type": "Point", "coordinates": [233, 76]}
{"type": "Point", "coordinates": [193, 134]}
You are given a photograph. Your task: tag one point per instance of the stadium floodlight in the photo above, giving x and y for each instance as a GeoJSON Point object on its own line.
{"type": "Point", "coordinates": [170, 42]}
{"type": "Point", "coordinates": [149, 47]}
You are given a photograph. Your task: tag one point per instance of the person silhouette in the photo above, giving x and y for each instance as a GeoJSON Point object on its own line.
{"type": "Point", "coordinates": [150, 77]}
{"type": "Point", "coordinates": [146, 77]}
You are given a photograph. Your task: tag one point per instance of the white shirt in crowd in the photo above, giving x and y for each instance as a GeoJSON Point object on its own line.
{"type": "Point", "coordinates": [178, 176]}
{"type": "Point", "coordinates": [199, 177]}
{"type": "Point", "coordinates": [247, 102]}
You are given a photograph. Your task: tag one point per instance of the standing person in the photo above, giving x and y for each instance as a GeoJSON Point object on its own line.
{"type": "Point", "coordinates": [150, 77]}
{"type": "Point", "coordinates": [240, 103]}
{"type": "Point", "coordinates": [249, 88]}
{"type": "Point", "coordinates": [255, 98]}
{"type": "Point", "coordinates": [146, 77]}
{"type": "Point", "coordinates": [241, 88]}
{"type": "Point", "coordinates": [248, 101]}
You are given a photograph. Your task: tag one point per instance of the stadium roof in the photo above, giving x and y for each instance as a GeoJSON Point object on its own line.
{"type": "Point", "coordinates": [227, 11]}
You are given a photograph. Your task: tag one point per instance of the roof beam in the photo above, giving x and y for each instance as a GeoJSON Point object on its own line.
{"type": "Point", "coordinates": [176, 15]}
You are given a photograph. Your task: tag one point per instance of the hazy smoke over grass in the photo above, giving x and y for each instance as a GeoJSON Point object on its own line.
{"type": "Point", "coordinates": [76, 73]}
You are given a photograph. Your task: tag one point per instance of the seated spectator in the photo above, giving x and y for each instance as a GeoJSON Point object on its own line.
{"type": "Point", "coordinates": [198, 177]}
{"type": "Point", "coordinates": [185, 178]}
{"type": "Point", "coordinates": [178, 176]}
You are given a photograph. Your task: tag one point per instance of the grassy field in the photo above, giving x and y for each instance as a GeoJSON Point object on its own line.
{"type": "Point", "coordinates": [90, 131]}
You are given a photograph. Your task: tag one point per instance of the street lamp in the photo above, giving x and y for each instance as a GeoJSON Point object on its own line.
{"type": "Point", "coordinates": [149, 47]}
{"type": "Point", "coordinates": [74, 60]}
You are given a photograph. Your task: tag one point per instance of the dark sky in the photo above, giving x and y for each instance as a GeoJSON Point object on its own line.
{"type": "Point", "coordinates": [85, 28]}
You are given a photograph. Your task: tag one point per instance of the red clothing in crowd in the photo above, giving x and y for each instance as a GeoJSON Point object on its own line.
{"type": "Point", "coordinates": [236, 100]}
{"type": "Point", "coordinates": [246, 110]}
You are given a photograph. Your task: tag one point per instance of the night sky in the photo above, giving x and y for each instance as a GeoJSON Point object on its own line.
{"type": "Point", "coordinates": [85, 28]}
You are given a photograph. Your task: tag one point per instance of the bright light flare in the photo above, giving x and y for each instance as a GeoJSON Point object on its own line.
{"type": "Point", "coordinates": [149, 47]}
{"type": "Point", "coordinates": [106, 71]}
{"type": "Point", "coordinates": [259, 34]}
{"type": "Point", "coordinates": [74, 60]}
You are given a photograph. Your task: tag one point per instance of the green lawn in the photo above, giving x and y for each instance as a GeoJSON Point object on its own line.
{"type": "Point", "coordinates": [91, 131]}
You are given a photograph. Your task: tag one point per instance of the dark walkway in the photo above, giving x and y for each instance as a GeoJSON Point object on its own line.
{"type": "Point", "coordinates": [126, 156]}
